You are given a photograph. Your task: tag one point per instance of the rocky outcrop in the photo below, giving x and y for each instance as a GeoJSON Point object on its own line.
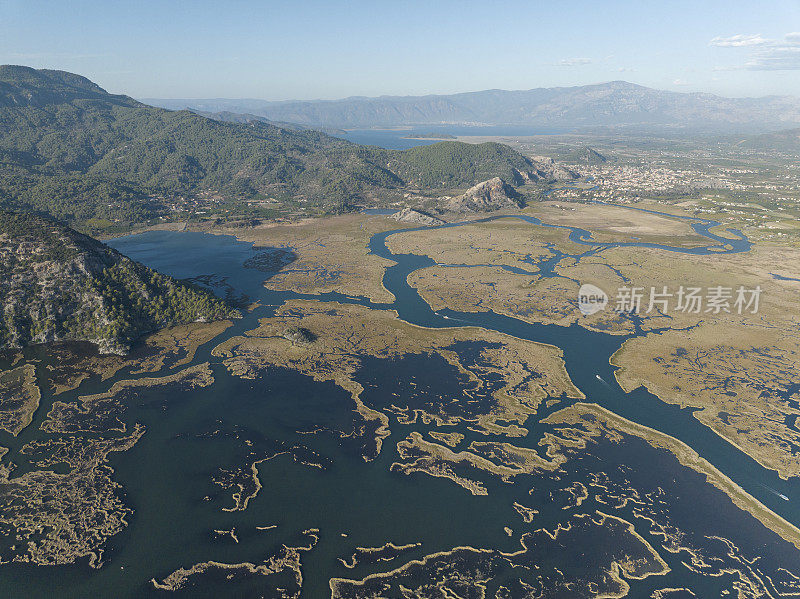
{"type": "Point", "coordinates": [487, 196]}
{"type": "Point", "coordinates": [299, 335]}
{"type": "Point", "coordinates": [409, 215]}
{"type": "Point", "coordinates": [59, 285]}
{"type": "Point", "coordinates": [547, 169]}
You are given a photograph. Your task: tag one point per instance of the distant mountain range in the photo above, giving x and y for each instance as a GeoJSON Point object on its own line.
{"type": "Point", "coordinates": [238, 117]}
{"type": "Point", "coordinates": [613, 104]}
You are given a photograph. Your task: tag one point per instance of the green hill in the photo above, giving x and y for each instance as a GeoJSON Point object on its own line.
{"type": "Point", "coordinates": [72, 150]}
{"type": "Point", "coordinates": [455, 164]}
{"type": "Point", "coordinates": [57, 284]}
{"type": "Point", "coordinates": [787, 140]}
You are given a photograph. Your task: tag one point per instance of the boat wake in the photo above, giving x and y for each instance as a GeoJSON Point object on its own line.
{"type": "Point", "coordinates": [599, 378]}
{"type": "Point", "coordinates": [773, 491]}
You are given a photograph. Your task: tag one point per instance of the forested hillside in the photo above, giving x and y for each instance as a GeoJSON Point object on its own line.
{"type": "Point", "coordinates": [72, 150]}
{"type": "Point", "coordinates": [57, 284]}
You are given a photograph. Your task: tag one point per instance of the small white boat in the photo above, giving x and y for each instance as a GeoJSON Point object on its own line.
{"type": "Point", "coordinates": [774, 492]}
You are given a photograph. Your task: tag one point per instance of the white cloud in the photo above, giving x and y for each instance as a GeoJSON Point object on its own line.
{"type": "Point", "coordinates": [765, 54]}
{"type": "Point", "coordinates": [680, 82]}
{"type": "Point", "coordinates": [784, 58]}
{"type": "Point", "coordinates": [738, 41]}
{"type": "Point", "coordinates": [573, 62]}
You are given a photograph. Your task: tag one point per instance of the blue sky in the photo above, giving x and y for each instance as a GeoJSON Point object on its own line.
{"type": "Point", "coordinates": [333, 49]}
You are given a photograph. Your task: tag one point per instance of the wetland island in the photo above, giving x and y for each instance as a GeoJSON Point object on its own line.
{"type": "Point", "coordinates": [245, 358]}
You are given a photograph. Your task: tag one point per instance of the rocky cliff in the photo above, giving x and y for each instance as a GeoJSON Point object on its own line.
{"type": "Point", "coordinates": [409, 215]}
{"type": "Point", "coordinates": [57, 285]}
{"type": "Point", "coordinates": [487, 196]}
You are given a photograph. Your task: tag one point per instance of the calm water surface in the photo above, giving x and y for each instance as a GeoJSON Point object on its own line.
{"type": "Point", "coordinates": [167, 476]}
{"type": "Point", "coordinates": [398, 139]}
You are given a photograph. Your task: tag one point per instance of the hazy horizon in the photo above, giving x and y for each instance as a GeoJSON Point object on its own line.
{"type": "Point", "coordinates": [470, 91]}
{"type": "Point", "coordinates": [319, 50]}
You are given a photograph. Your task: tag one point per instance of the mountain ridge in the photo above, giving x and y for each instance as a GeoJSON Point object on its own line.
{"type": "Point", "coordinates": [614, 103]}
{"type": "Point", "coordinates": [72, 150]}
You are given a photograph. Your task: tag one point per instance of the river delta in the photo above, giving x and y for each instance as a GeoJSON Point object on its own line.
{"type": "Point", "coordinates": [418, 412]}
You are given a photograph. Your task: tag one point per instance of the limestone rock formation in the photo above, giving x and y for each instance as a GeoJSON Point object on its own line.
{"type": "Point", "coordinates": [487, 196]}
{"type": "Point", "coordinates": [409, 215]}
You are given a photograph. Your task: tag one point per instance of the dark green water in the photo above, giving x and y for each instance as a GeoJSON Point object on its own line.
{"type": "Point", "coordinates": [168, 475]}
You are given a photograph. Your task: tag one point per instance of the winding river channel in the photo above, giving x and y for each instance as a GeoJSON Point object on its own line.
{"type": "Point", "coordinates": [588, 353]}
{"type": "Point", "coordinates": [166, 472]}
